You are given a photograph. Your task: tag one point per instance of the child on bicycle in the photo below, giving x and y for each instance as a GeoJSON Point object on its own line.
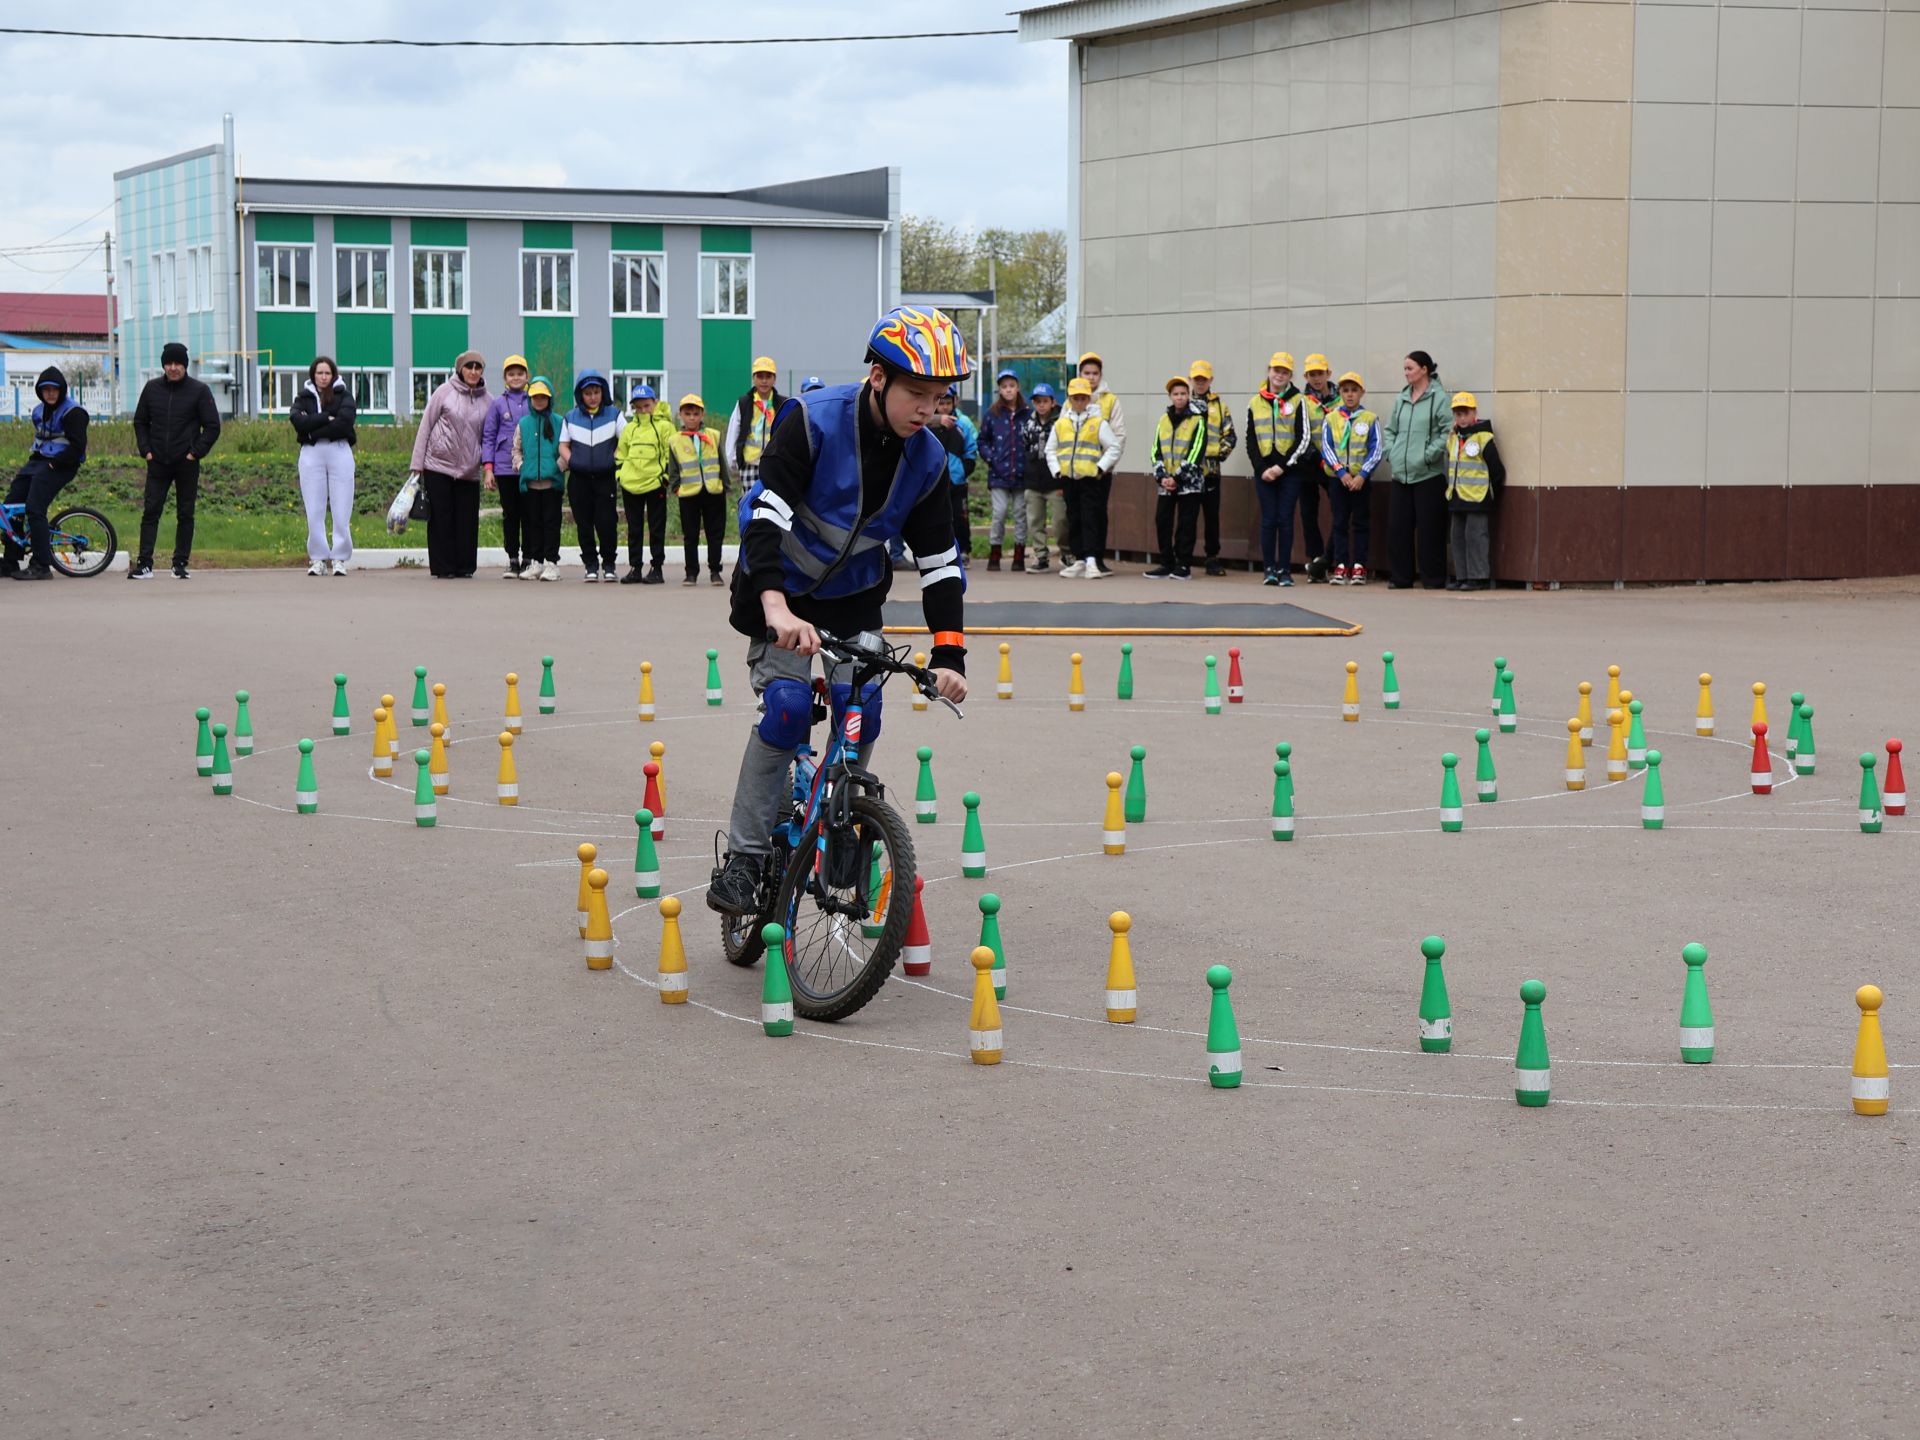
{"type": "Point", "coordinates": [847, 469]}
{"type": "Point", "coordinates": [59, 445]}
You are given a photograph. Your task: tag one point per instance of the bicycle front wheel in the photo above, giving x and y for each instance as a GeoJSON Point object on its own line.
{"type": "Point", "coordinates": [846, 907]}
{"type": "Point", "coordinates": [84, 542]}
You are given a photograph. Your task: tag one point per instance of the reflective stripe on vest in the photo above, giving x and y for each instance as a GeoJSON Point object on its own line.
{"type": "Point", "coordinates": [48, 438]}
{"type": "Point", "coordinates": [1076, 443]}
{"type": "Point", "coordinates": [699, 458]}
{"type": "Point", "coordinates": [1190, 438]}
{"type": "Point", "coordinates": [757, 431]}
{"type": "Point", "coordinates": [1467, 477]}
{"type": "Point", "coordinates": [1352, 436]}
{"type": "Point", "coordinates": [1276, 423]}
{"type": "Point", "coordinates": [1316, 410]}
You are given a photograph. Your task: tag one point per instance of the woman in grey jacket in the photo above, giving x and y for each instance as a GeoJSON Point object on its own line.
{"type": "Point", "coordinates": [446, 452]}
{"type": "Point", "coordinates": [1416, 445]}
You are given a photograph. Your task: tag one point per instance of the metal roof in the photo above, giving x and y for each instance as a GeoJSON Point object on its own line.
{"type": "Point", "coordinates": [1084, 19]}
{"type": "Point", "coordinates": [31, 313]}
{"type": "Point", "coordinates": [950, 299]}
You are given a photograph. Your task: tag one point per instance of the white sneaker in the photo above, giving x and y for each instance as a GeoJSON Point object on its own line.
{"type": "Point", "coordinates": [549, 571]}
{"type": "Point", "coordinates": [1097, 571]}
{"type": "Point", "coordinates": [339, 567]}
{"type": "Point", "coordinates": [531, 572]}
{"type": "Point", "coordinates": [1073, 571]}
{"type": "Point", "coordinates": [318, 567]}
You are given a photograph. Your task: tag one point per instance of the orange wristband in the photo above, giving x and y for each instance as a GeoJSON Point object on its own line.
{"type": "Point", "coordinates": [951, 638]}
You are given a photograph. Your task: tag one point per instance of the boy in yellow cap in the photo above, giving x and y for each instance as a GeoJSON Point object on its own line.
{"type": "Point", "coordinates": [1475, 474]}
{"type": "Point", "coordinates": [1317, 397]}
{"type": "Point", "coordinates": [1349, 449]}
{"type": "Point", "coordinates": [1096, 490]}
{"type": "Point", "coordinates": [700, 477]}
{"type": "Point", "coordinates": [1179, 473]}
{"type": "Point", "coordinates": [1081, 449]}
{"type": "Point", "coordinates": [752, 421]}
{"type": "Point", "coordinates": [1221, 441]}
{"type": "Point", "coordinates": [1278, 435]}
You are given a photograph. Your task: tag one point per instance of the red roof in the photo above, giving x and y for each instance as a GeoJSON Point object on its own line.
{"type": "Point", "coordinates": [26, 314]}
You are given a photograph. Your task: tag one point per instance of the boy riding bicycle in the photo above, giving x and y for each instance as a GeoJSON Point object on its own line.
{"type": "Point", "coordinates": [846, 470]}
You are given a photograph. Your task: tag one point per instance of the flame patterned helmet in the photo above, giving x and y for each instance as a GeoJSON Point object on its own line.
{"type": "Point", "coordinates": [922, 343]}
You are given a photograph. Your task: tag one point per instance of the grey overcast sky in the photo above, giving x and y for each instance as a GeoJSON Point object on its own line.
{"type": "Point", "coordinates": [977, 126]}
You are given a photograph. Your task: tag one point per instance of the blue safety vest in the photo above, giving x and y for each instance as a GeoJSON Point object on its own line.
{"type": "Point", "coordinates": [819, 542]}
{"type": "Point", "coordinates": [48, 438]}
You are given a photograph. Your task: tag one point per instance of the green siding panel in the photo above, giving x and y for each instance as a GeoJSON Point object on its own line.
{"type": "Point", "coordinates": [726, 363]}
{"type": "Point", "coordinates": [437, 339]}
{"type": "Point", "coordinates": [365, 341]}
{"type": "Point", "coordinates": [639, 344]}
{"type": "Point", "coordinates": [438, 232]}
{"type": "Point", "coordinates": [547, 234]}
{"type": "Point", "coordinates": [549, 350]}
{"type": "Point", "coordinates": [639, 237]}
{"type": "Point", "coordinates": [291, 229]}
{"type": "Point", "coordinates": [290, 335]}
{"type": "Point", "coordinates": [362, 230]}
{"type": "Point", "coordinates": [727, 239]}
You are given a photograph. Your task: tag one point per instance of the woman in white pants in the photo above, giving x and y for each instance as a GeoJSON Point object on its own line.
{"type": "Point", "coordinates": [322, 416]}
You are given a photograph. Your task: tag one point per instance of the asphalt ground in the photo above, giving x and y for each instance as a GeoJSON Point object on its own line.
{"type": "Point", "coordinates": [318, 1125]}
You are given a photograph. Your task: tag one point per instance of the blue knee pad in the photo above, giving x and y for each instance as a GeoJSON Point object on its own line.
{"type": "Point", "coordinates": [786, 713]}
{"type": "Point", "coordinates": [869, 710]}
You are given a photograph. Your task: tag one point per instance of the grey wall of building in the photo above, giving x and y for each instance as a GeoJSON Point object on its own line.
{"type": "Point", "coordinates": [680, 333]}
{"type": "Point", "coordinates": [815, 292]}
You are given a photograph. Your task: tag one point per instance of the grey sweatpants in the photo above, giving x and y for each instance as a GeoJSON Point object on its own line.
{"type": "Point", "coordinates": [1472, 554]}
{"type": "Point", "coordinates": [765, 772]}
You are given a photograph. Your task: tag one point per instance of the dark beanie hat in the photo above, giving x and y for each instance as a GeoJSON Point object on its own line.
{"type": "Point", "coordinates": [173, 353]}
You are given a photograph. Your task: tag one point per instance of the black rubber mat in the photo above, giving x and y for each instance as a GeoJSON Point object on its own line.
{"type": "Point", "coordinates": [1120, 617]}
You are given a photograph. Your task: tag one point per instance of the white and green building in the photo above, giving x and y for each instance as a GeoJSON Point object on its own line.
{"type": "Point", "coordinates": [680, 289]}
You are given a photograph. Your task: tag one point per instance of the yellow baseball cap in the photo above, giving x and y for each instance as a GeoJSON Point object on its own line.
{"type": "Point", "coordinates": [694, 400]}
{"type": "Point", "coordinates": [1317, 362]}
{"type": "Point", "coordinates": [1465, 401]}
{"type": "Point", "coordinates": [1094, 356]}
{"type": "Point", "coordinates": [513, 360]}
{"type": "Point", "coordinates": [1180, 380]}
{"type": "Point", "coordinates": [764, 365]}
{"type": "Point", "coordinates": [1200, 370]}
{"type": "Point", "coordinates": [539, 387]}
{"type": "Point", "coordinates": [1077, 386]}
{"type": "Point", "coordinates": [1350, 376]}
{"type": "Point", "coordinates": [1280, 359]}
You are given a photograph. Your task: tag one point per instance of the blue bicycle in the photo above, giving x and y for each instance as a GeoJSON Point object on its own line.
{"type": "Point", "coordinates": [84, 542]}
{"type": "Point", "coordinates": [840, 875]}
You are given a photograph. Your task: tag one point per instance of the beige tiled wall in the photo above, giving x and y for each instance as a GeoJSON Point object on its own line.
{"type": "Point", "coordinates": [1670, 243]}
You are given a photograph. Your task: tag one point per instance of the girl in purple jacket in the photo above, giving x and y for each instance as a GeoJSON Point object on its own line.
{"type": "Point", "coordinates": [496, 455]}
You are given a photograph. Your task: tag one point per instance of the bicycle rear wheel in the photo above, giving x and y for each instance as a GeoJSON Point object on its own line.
{"type": "Point", "coordinates": [835, 967]}
{"type": "Point", "coordinates": [84, 542]}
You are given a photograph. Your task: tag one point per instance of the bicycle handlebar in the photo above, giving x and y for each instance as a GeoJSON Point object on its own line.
{"type": "Point", "coordinates": [883, 661]}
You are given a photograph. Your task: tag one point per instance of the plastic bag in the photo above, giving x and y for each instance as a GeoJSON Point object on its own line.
{"type": "Point", "coordinates": [402, 508]}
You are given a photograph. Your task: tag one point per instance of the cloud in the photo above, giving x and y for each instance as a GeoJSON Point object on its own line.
{"type": "Point", "coordinates": [977, 126]}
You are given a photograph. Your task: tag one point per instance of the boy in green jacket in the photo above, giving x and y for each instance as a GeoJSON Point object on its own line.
{"type": "Point", "coordinates": [642, 458]}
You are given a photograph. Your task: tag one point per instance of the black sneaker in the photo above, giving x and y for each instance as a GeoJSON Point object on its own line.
{"type": "Point", "coordinates": [653, 577]}
{"type": "Point", "coordinates": [1317, 570]}
{"type": "Point", "coordinates": [632, 577]}
{"type": "Point", "coordinates": [180, 570]}
{"type": "Point", "coordinates": [693, 578]}
{"type": "Point", "coordinates": [1183, 573]}
{"type": "Point", "coordinates": [735, 886]}
{"type": "Point", "coordinates": [1214, 567]}
{"type": "Point", "coordinates": [33, 572]}
{"type": "Point", "coordinates": [1158, 572]}
{"type": "Point", "coordinates": [1273, 578]}
{"type": "Point", "coordinates": [1286, 580]}
{"type": "Point", "coordinates": [140, 570]}
{"type": "Point", "coordinates": [716, 578]}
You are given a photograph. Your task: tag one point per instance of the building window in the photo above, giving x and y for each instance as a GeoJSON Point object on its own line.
{"type": "Point", "coordinates": [127, 306]}
{"type": "Point", "coordinates": [425, 382]}
{"type": "Point", "coordinates": [372, 390]}
{"type": "Point", "coordinates": [726, 287]}
{"type": "Point", "coordinates": [440, 282]}
{"type": "Point", "coordinates": [360, 278]}
{"type": "Point", "coordinates": [546, 282]}
{"type": "Point", "coordinates": [639, 284]}
{"type": "Point", "coordinates": [625, 380]}
{"type": "Point", "coordinates": [164, 300]}
{"type": "Point", "coordinates": [285, 277]}
{"type": "Point", "coordinates": [278, 386]}
{"type": "Point", "coordinates": [203, 276]}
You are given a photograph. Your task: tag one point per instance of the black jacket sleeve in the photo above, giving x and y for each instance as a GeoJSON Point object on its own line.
{"type": "Point", "coordinates": [207, 412]}
{"type": "Point", "coordinates": [74, 427]}
{"type": "Point", "coordinates": [786, 470]}
{"type": "Point", "coordinates": [143, 421]}
{"type": "Point", "coordinates": [928, 531]}
{"type": "Point", "coordinates": [1496, 467]}
{"type": "Point", "coordinates": [306, 418]}
{"type": "Point", "coordinates": [340, 420]}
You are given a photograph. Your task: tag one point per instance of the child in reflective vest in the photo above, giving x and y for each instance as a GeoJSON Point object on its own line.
{"type": "Point", "coordinates": [1474, 477]}
{"type": "Point", "coordinates": [1179, 472]}
{"type": "Point", "coordinates": [1349, 449]}
{"type": "Point", "coordinates": [700, 479]}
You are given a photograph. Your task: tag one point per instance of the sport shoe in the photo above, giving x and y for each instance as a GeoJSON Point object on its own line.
{"type": "Point", "coordinates": [1317, 570]}
{"type": "Point", "coordinates": [653, 577]}
{"type": "Point", "coordinates": [1183, 573]}
{"type": "Point", "coordinates": [1038, 567]}
{"type": "Point", "coordinates": [735, 886]}
{"type": "Point", "coordinates": [549, 571]}
{"type": "Point", "coordinates": [514, 570]}
{"type": "Point", "coordinates": [318, 567]}
{"type": "Point", "coordinates": [1214, 567]}
{"type": "Point", "coordinates": [716, 578]}
{"type": "Point", "coordinates": [529, 571]}
{"type": "Point", "coordinates": [1158, 572]}
{"type": "Point", "coordinates": [1272, 578]}
{"type": "Point", "coordinates": [33, 572]}
{"type": "Point", "coordinates": [140, 570]}
{"type": "Point", "coordinates": [632, 577]}
{"type": "Point", "coordinates": [1073, 571]}
{"type": "Point", "coordinates": [1359, 575]}
{"type": "Point", "coordinates": [1286, 580]}
{"type": "Point", "coordinates": [1097, 570]}
{"type": "Point", "coordinates": [693, 578]}
{"type": "Point", "coordinates": [592, 577]}
{"type": "Point", "coordinates": [180, 570]}
{"type": "Point", "coordinates": [1339, 575]}
{"type": "Point", "coordinates": [339, 567]}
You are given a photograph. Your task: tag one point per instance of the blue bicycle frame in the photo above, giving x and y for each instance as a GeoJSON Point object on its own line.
{"type": "Point", "coordinates": [808, 787]}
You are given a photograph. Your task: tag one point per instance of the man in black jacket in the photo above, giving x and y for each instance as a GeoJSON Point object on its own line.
{"type": "Point", "coordinates": [59, 445]}
{"type": "Point", "coordinates": [175, 423]}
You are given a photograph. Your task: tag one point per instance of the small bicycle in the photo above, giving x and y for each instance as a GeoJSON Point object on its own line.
{"type": "Point", "coordinates": [840, 875]}
{"type": "Point", "coordinates": [84, 542]}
